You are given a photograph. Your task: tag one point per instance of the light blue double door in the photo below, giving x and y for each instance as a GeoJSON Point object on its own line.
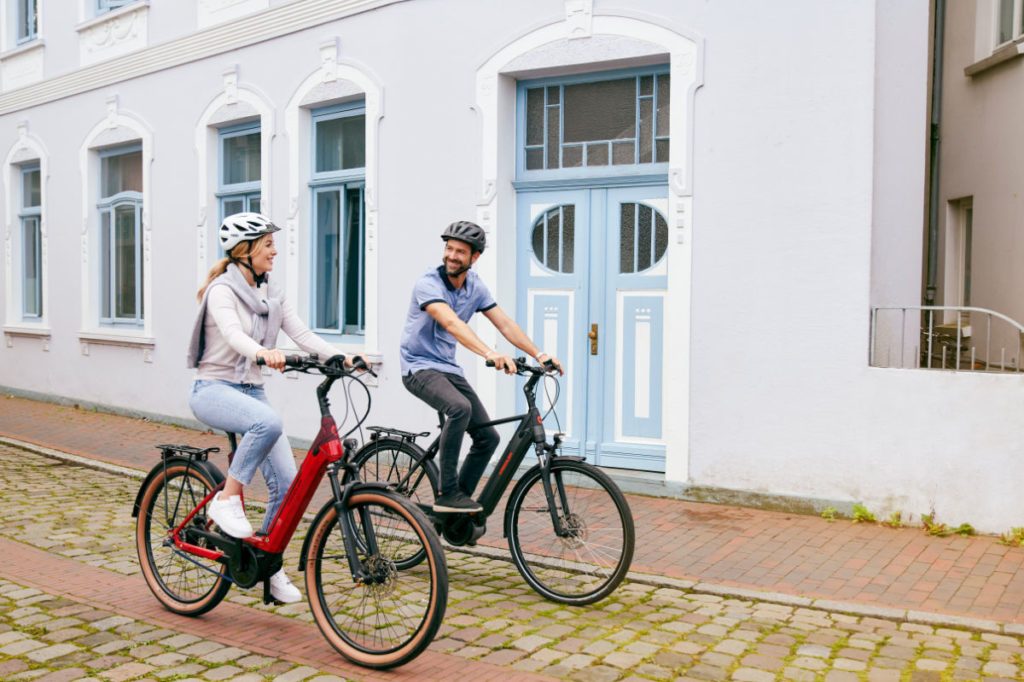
{"type": "Point", "coordinates": [592, 272]}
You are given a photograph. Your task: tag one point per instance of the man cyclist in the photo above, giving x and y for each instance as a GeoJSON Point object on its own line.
{"type": "Point", "coordinates": [443, 301]}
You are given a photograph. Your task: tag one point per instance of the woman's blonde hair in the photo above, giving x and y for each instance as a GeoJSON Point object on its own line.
{"type": "Point", "coordinates": [249, 248]}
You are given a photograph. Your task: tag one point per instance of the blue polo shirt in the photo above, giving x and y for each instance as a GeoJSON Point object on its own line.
{"type": "Point", "coordinates": [425, 343]}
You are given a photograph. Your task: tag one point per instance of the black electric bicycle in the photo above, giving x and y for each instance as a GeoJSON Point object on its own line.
{"type": "Point", "coordinates": [569, 527]}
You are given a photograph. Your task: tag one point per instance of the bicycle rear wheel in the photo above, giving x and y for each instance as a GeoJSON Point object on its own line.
{"type": "Point", "coordinates": [404, 466]}
{"type": "Point", "coordinates": [588, 563]}
{"type": "Point", "coordinates": [389, 619]}
{"type": "Point", "coordinates": [184, 583]}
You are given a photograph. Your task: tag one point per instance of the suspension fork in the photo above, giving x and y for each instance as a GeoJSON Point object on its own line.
{"type": "Point", "coordinates": [549, 491]}
{"type": "Point", "coordinates": [347, 527]}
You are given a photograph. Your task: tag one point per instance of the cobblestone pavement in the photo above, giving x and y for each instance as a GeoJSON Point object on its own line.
{"type": "Point", "coordinates": [642, 631]}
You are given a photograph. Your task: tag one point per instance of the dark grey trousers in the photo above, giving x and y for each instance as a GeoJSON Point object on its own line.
{"type": "Point", "coordinates": [452, 395]}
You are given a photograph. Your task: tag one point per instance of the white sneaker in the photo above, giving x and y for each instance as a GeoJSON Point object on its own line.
{"type": "Point", "coordinates": [282, 589]}
{"type": "Point", "coordinates": [229, 515]}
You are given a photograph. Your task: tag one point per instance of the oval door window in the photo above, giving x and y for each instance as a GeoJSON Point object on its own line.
{"type": "Point", "coordinates": [643, 238]}
{"type": "Point", "coordinates": [554, 236]}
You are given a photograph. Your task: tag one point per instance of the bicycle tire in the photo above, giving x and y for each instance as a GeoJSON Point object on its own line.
{"type": "Point", "coordinates": [185, 584]}
{"type": "Point", "coordinates": [405, 466]}
{"type": "Point", "coordinates": [381, 625]}
{"type": "Point", "coordinates": [587, 566]}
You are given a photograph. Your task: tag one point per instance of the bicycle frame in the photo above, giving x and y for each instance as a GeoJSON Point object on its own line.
{"type": "Point", "coordinates": [326, 455]}
{"type": "Point", "coordinates": [530, 431]}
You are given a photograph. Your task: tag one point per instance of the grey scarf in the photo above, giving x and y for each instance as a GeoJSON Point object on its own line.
{"type": "Point", "coordinates": [266, 318]}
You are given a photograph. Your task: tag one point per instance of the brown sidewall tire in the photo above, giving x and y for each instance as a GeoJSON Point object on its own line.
{"type": "Point", "coordinates": [438, 572]}
{"type": "Point", "coordinates": [220, 589]}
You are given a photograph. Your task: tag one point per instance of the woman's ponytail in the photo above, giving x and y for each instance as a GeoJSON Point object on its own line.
{"type": "Point", "coordinates": [216, 271]}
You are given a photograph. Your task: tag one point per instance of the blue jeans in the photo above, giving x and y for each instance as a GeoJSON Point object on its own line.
{"type": "Point", "coordinates": [243, 408]}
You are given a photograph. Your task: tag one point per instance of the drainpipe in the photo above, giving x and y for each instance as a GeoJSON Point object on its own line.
{"type": "Point", "coordinates": [933, 153]}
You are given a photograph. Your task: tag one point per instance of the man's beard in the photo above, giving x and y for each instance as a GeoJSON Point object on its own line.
{"type": "Point", "coordinates": [458, 271]}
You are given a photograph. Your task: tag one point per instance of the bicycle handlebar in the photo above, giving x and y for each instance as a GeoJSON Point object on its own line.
{"type": "Point", "coordinates": [304, 363]}
{"type": "Point", "coordinates": [522, 367]}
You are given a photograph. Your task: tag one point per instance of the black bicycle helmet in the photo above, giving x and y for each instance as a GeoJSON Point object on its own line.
{"type": "Point", "coordinates": [468, 232]}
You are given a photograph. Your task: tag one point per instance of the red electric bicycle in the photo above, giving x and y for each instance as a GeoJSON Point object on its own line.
{"type": "Point", "coordinates": [372, 611]}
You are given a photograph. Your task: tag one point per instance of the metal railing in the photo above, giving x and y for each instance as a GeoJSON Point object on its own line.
{"type": "Point", "coordinates": [964, 339]}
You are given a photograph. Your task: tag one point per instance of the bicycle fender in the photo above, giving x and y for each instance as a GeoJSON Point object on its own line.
{"type": "Point", "coordinates": [328, 506]}
{"type": "Point", "coordinates": [522, 481]}
{"type": "Point", "coordinates": [208, 468]}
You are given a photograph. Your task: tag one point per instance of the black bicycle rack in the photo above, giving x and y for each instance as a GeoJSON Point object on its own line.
{"type": "Point", "coordinates": [199, 454]}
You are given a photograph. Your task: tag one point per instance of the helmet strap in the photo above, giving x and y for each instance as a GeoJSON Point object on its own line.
{"type": "Point", "coordinates": [258, 279]}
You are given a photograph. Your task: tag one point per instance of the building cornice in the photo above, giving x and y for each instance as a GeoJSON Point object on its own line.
{"type": "Point", "coordinates": [266, 25]}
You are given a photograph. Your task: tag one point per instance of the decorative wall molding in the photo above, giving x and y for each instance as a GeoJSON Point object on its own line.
{"type": "Point", "coordinates": [275, 22]}
{"type": "Point", "coordinates": [87, 339]}
{"type": "Point", "coordinates": [22, 66]}
{"type": "Point", "coordinates": [212, 12]}
{"type": "Point", "coordinates": [42, 333]}
{"type": "Point", "coordinates": [234, 104]}
{"type": "Point", "coordinates": [27, 148]}
{"type": "Point", "coordinates": [579, 15]}
{"type": "Point", "coordinates": [334, 80]}
{"type": "Point", "coordinates": [113, 126]}
{"type": "Point", "coordinates": [114, 33]}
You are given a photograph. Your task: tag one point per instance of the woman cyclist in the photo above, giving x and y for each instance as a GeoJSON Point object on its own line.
{"type": "Point", "coordinates": [239, 317]}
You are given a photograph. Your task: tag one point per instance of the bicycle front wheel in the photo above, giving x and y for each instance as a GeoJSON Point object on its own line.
{"type": "Point", "coordinates": [184, 583]}
{"type": "Point", "coordinates": [389, 617]}
{"type": "Point", "coordinates": [593, 556]}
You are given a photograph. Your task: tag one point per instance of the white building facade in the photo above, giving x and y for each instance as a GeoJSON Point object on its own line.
{"type": "Point", "coordinates": [693, 204]}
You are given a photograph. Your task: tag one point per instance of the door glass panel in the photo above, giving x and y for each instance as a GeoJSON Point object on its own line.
{"type": "Point", "coordinates": [553, 238]}
{"type": "Point", "coordinates": [605, 110]}
{"type": "Point", "coordinates": [643, 237]}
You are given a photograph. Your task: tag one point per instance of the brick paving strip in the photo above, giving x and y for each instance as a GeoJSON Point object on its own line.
{"type": "Point", "coordinates": [230, 625]}
{"type": "Point", "coordinates": [54, 511]}
{"type": "Point", "coordinates": [787, 558]}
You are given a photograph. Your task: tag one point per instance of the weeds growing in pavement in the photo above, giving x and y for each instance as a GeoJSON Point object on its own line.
{"type": "Point", "coordinates": [862, 515]}
{"type": "Point", "coordinates": [895, 520]}
{"type": "Point", "coordinates": [829, 514]}
{"type": "Point", "coordinates": [1014, 538]}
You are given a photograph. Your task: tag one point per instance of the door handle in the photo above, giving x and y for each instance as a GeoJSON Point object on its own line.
{"type": "Point", "coordinates": [592, 335]}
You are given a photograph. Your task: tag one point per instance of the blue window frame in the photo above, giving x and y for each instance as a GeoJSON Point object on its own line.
{"type": "Point", "coordinates": [30, 216]}
{"type": "Point", "coordinates": [337, 183]}
{"type": "Point", "coordinates": [604, 124]}
{"type": "Point", "coordinates": [239, 185]}
{"type": "Point", "coordinates": [108, 5]}
{"type": "Point", "coordinates": [28, 21]}
{"type": "Point", "coordinates": [120, 209]}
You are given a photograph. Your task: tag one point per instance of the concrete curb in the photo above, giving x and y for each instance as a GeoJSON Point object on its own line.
{"type": "Point", "coordinates": [699, 587]}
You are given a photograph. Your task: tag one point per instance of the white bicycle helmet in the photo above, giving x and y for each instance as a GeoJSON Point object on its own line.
{"type": "Point", "coordinates": [241, 227]}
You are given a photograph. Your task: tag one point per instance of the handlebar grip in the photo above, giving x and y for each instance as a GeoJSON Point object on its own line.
{"type": "Point", "coordinates": [489, 363]}
{"type": "Point", "coordinates": [260, 361]}
{"type": "Point", "coordinates": [294, 361]}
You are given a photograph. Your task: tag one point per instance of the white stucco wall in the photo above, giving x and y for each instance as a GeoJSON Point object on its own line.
{"type": "Point", "coordinates": [807, 194]}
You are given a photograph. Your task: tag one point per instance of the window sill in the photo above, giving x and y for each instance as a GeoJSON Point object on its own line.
{"type": "Point", "coordinates": [30, 46]}
{"type": "Point", "coordinates": [29, 331]}
{"type": "Point", "coordinates": [1003, 53]}
{"type": "Point", "coordinates": [100, 19]}
{"type": "Point", "coordinates": [115, 338]}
